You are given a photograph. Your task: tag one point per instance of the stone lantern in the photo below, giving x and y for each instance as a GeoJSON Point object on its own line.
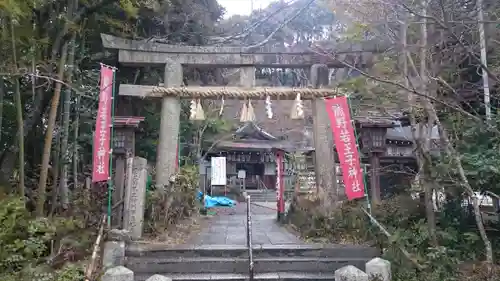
{"type": "Point", "coordinates": [123, 148]}
{"type": "Point", "coordinates": [373, 140]}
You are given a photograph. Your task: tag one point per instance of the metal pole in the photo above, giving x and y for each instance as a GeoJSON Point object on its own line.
{"type": "Point", "coordinates": [110, 179]}
{"type": "Point", "coordinates": [249, 238]}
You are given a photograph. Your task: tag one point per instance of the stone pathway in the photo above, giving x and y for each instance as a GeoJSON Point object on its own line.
{"type": "Point", "coordinates": [228, 227]}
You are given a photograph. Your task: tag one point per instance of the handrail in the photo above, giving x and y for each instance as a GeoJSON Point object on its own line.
{"type": "Point", "coordinates": [260, 183]}
{"type": "Point", "coordinates": [249, 239]}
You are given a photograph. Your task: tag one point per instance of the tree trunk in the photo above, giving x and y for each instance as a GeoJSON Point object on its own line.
{"type": "Point", "coordinates": [56, 167]}
{"type": "Point", "coordinates": [7, 159]}
{"type": "Point", "coordinates": [19, 116]}
{"type": "Point", "coordinates": [455, 157]}
{"type": "Point", "coordinates": [2, 93]}
{"type": "Point", "coordinates": [65, 155]}
{"type": "Point", "coordinates": [425, 149]}
{"type": "Point", "coordinates": [42, 184]}
{"type": "Point", "coordinates": [75, 140]}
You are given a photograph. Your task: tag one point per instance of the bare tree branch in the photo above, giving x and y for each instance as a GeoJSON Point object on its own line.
{"type": "Point", "coordinates": [282, 25]}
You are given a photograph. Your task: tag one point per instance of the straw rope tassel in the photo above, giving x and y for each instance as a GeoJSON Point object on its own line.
{"type": "Point", "coordinates": [244, 113]}
{"type": "Point", "coordinates": [192, 110]}
{"type": "Point", "coordinates": [251, 113]}
{"type": "Point", "coordinates": [269, 109]}
{"type": "Point", "coordinates": [297, 108]}
{"type": "Point", "coordinates": [221, 111]}
{"type": "Point", "coordinates": [300, 107]}
{"type": "Point", "coordinates": [200, 114]}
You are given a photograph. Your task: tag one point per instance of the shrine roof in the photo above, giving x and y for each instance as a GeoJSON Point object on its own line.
{"type": "Point", "coordinates": [256, 145]}
{"type": "Point", "coordinates": [250, 130]}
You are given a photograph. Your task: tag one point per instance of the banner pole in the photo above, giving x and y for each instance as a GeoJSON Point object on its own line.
{"type": "Point", "coordinates": [110, 179]}
{"type": "Point", "coordinates": [359, 152]}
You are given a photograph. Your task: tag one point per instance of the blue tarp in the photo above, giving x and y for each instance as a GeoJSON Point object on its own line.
{"type": "Point", "coordinates": [217, 201]}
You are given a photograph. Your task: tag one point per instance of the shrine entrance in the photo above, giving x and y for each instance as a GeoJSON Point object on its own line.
{"type": "Point", "coordinates": [173, 58]}
{"type": "Point", "coordinates": [133, 53]}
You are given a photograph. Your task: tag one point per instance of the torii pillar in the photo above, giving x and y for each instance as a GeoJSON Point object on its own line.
{"type": "Point", "coordinates": [166, 158]}
{"type": "Point", "coordinates": [324, 154]}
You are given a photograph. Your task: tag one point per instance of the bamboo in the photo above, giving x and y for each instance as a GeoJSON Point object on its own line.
{"type": "Point", "coordinates": [90, 268]}
{"type": "Point", "coordinates": [386, 233]}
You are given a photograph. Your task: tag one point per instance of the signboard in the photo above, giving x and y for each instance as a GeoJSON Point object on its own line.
{"type": "Point", "coordinates": [307, 180]}
{"type": "Point", "coordinates": [218, 171]}
{"type": "Point", "coordinates": [345, 142]}
{"type": "Point", "coordinates": [102, 134]}
{"type": "Point", "coordinates": [242, 174]}
{"type": "Point", "coordinates": [246, 157]}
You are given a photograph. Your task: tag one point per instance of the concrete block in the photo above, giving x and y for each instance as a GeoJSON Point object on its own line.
{"type": "Point", "coordinates": [113, 254]}
{"type": "Point", "coordinates": [118, 273]}
{"type": "Point", "coordinates": [158, 277]}
{"type": "Point", "coordinates": [379, 269]}
{"type": "Point", "coordinates": [350, 273]}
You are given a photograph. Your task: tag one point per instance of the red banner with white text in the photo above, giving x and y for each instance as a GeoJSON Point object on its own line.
{"type": "Point", "coordinates": [102, 133]}
{"type": "Point", "coordinates": [345, 142]}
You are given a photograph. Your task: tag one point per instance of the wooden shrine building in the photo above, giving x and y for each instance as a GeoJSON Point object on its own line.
{"type": "Point", "coordinates": [250, 158]}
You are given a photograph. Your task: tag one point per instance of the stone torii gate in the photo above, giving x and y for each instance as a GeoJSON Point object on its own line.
{"type": "Point", "coordinates": [173, 57]}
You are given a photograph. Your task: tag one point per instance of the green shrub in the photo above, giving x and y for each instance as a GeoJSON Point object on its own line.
{"type": "Point", "coordinates": [168, 205]}
{"type": "Point", "coordinates": [27, 242]}
{"type": "Point", "coordinates": [404, 218]}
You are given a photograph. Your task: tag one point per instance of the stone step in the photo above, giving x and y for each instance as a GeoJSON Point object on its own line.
{"type": "Point", "coordinates": [270, 198]}
{"type": "Point", "coordinates": [282, 276]}
{"type": "Point", "coordinates": [144, 265]}
{"type": "Point", "coordinates": [159, 250]}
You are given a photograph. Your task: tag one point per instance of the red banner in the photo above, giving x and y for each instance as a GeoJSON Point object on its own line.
{"type": "Point", "coordinates": [280, 185]}
{"type": "Point", "coordinates": [102, 133]}
{"type": "Point", "coordinates": [345, 142]}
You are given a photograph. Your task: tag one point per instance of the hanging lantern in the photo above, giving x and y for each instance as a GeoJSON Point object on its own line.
{"type": "Point", "coordinates": [244, 113]}
{"type": "Point", "coordinates": [250, 112]}
{"type": "Point", "coordinates": [297, 108]}
{"type": "Point", "coordinates": [269, 109]}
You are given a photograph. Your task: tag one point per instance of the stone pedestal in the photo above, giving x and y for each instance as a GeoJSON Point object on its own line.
{"type": "Point", "coordinates": [135, 197]}
{"type": "Point", "coordinates": [113, 254]}
{"type": "Point", "coordinates": [350, 273]}
{"type": "Point", "coordinates": [119, 273]}
{"type": "Point", "coordinates": [379, 269]}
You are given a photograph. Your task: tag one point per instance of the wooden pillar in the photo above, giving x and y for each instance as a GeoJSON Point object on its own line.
{"type": "Point", "coordinates": [375, 178]}
{"type": "Point", "coordinates": [247, 76]}
{"type": "Point", "coordinates": [119, 192]}
{"type": "Point", "coordinates": [324, 160]}
{"type": "Point", "coordinates": [169, 126]}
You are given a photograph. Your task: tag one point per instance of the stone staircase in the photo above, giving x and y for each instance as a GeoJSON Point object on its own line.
{"type": "Point", "coordinates": [262, 195]}
{"type": "Point", "coordinates": [226, 262]}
